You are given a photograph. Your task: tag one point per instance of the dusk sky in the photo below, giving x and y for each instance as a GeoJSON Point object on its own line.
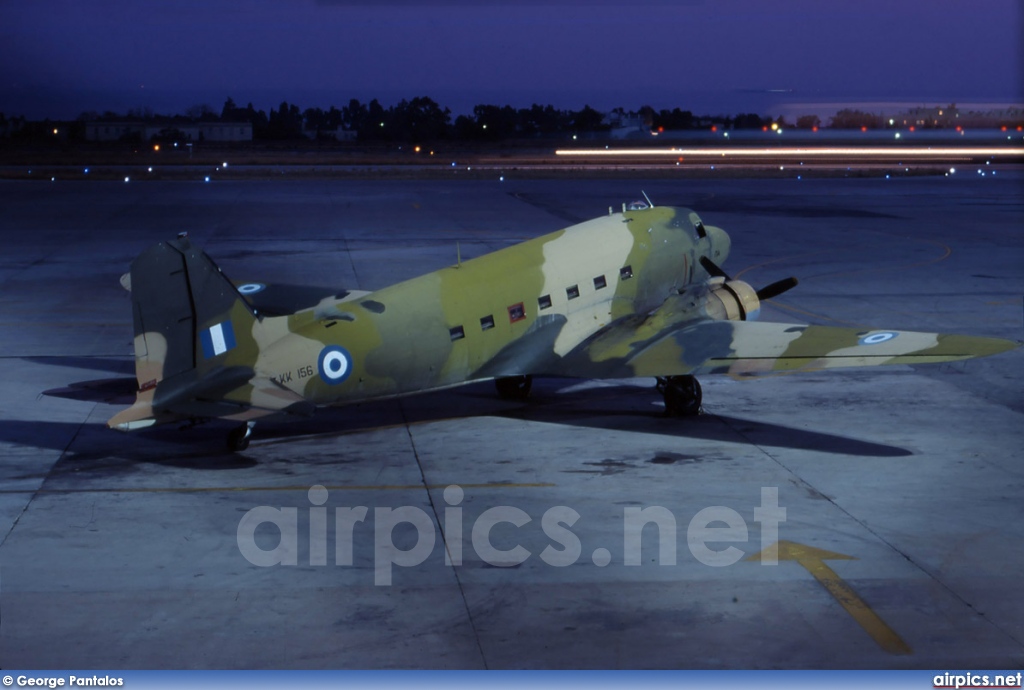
{"type": "Point", "coordinates": [60, 57]}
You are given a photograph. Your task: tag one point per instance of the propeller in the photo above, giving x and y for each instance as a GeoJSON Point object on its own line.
{"type": "Point", "coordinates": [767, 292]}
{"type": "Point", "coordinates": [776, 288]}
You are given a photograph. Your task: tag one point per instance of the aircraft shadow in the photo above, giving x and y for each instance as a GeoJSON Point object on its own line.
{"type": "Point", "coordinates": [114, 365]}
{"type": "Point", "coordinates": [625, 408]}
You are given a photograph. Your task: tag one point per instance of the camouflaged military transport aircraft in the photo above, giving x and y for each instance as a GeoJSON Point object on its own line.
{"type": "Point", "coordinates": [636, 293]}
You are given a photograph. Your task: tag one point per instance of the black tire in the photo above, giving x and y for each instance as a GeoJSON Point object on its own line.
{"type": "Point", "coordinates": [683, 396]}
{"type": "Point", "coordinates": [514, 387]}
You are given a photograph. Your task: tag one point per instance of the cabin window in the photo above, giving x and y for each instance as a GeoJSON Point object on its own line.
{"type": "Point", "coordinates": [572, 292]}
{"type": "Point", "coordinates": [516, 313]}
{"type": "Point", "coordinates": [626, 272]}
{"type": "Point", "coordinates": [544, 301]}
{"type": "Point", "coordinates": [456, 333]}
{"type": "Point", "coordinates": [487, 323]}
{"type": "Point", "coordinates": [600, 282]}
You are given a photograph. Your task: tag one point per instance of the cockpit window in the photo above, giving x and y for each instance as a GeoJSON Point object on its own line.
{"type": "Point", "coordinates": [701, 232]}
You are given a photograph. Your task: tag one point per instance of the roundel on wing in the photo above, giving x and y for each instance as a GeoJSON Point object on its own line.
{"type": "Point", "coordinates": [251, 288]}
{"type": "Point", "coordinates": [335, 364]}
{"type": "Point", "coordinates": [876, 338]}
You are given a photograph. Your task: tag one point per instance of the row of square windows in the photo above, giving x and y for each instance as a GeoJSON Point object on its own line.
{"type": "Point", "coordinates": [517, 312]}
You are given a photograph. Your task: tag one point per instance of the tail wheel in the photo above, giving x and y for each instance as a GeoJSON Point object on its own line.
{"type": "Point", "coordinates": [238, 439]}
{"type": "Point", "coordinates": [683, 396]}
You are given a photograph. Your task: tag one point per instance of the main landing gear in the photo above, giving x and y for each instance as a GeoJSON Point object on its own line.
{"type": "Point", "coordinates": [514, 387]}
{"type": "Point", "coordinates": [238, 439]}
{"type": "Point", "coordinates": [682, 395]}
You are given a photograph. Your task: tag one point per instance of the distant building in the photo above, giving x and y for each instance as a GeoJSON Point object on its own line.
{"type": "Point", "coordinates": [337, 134]}
{"type": "Point", "coordinates": [623, 126]}
{"type": "Point", "coordinates": [189, 131]}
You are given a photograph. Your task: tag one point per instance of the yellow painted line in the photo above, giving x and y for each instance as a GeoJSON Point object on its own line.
{"type": "Point", "coordinates": [337, 487]}
{"type": "Point", "coordinates": [813, 560]}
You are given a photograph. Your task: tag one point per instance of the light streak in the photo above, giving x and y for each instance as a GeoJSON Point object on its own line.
{"type": "Point", "coordinates": [851, 152]}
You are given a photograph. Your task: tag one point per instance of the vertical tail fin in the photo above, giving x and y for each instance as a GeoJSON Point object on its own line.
{"type": "Point", "coordinates": [190, 322]}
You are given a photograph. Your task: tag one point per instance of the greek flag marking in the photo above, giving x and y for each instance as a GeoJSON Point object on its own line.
{"type": "Point", "coordinates": [217, 339]}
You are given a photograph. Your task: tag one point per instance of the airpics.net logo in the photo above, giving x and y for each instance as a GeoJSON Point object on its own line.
{"type": "Point", "coordinates": [417, 531]}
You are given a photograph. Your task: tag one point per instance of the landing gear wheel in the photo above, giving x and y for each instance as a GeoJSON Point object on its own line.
{"type": "Point", "coordinates": [683, 395]}
{"type": "Point", "coordinates": [238, 439]}
{"type": "Point", "coordinates": [514, 387]}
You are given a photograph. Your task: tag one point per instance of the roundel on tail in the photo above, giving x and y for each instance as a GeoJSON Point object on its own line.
{"type": "Point", "coordinates": [335, 364]}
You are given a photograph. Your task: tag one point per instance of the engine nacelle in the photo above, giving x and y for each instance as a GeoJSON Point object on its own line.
{"type": "Point", "coordinates": [732, 300]}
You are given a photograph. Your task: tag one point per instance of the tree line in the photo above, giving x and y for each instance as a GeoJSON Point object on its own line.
{"type": "Point", "coordinates": [423, 119]}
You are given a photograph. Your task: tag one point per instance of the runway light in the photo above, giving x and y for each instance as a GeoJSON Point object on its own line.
{"type": "Point", "coordinates": [206, 179]}
{"type": "Point", "coordinates": [126, 179]}
{"type": "Point", "coordinates": [726, 134]}
{"type": "Point", "coordinates": [814, 129]}
{"type": "Point", "coordinates": [887, 176]}
{"type": "Point", "coordinates": [775, 126]}
{"type": "Point", "coordinates": [911, 128]}
{"type": "Point", "coordinates": [897, 135]}
{"type": "Point", "coordinates": [891, 121]}
{"type": "Point", "coordinates": [416, 149]}
{"type": "Point", "coordinates": [501, 179]}
{"type": "Point", "coordinates": [156, 147]}
{"type": "Point", "coordinates": [224, 165]}
{"type": "Point", "coordinates": [714, 128]}
{"type": "Point", "coordinates": [53, 179]}
{"type": "Point", "coordinates": [952, 170]}
{"type": "Point", "coordinates": [87, 171]}
{"type": "Point", "coordinates": [150, 169]}
{"type": "Point", "coordinates": [54, 130]}
{"type": "Point", "coordinates": [863, 129]}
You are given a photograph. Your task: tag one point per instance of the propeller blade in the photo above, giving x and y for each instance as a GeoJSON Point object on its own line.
{"type": "Point", "coordinates": [776, 288]}
{"type": "Point", "coordinates": [712, 268]}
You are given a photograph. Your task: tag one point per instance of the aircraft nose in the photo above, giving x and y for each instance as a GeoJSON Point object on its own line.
{"type": "Point", "coordinates": [720, 244]}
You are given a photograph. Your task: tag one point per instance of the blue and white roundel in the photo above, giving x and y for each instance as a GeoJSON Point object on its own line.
{"type": "Point", "coordinates": [335, 364]}
{"type": "Point", "coordinates": [251, 288]}
{"type": "Point", "coordinates": [876, 338]}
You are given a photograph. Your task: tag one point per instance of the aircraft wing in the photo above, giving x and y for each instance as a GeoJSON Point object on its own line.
{"type": "Point", "coordinates": [751, 348]}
